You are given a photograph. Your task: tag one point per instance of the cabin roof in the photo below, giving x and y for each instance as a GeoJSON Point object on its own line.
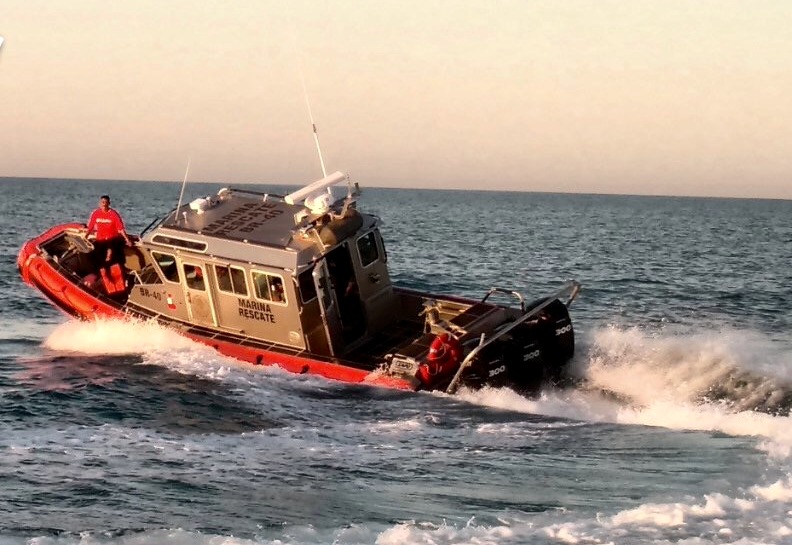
{"type": "Point", "coordinates": [228, 225]}
{"type": "Point", "coordinates": [248, 218]}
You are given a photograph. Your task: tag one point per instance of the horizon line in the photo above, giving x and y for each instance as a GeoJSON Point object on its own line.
{"type": "Point", "coordinates": [457, 189]}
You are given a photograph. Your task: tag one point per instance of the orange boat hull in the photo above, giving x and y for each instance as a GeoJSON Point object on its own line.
{"type": "Point", "coordinates": [69, 295]}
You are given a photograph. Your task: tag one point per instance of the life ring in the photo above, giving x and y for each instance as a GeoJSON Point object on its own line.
{"type": "Point", "coordinates": [444, 356]}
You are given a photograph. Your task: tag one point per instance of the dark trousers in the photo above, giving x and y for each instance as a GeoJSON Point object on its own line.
{"type": "Point", "coordinates": [99, 255]}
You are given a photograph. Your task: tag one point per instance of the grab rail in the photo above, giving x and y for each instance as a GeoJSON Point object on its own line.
{"type": "Point", "coordinates": [573, 287]}
{"type": "Point", "coordinates": [517, 295]}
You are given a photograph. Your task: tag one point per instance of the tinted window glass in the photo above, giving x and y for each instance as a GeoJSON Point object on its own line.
{"type": "Point", "coordinates": [194, 276]}
{"type": "Point", "coordinates": [269, 287]}
{"type": "Point", "coordinates": [307, 286]}
{"type": "Point", "coordinates": [149, 275]}
{"type": "Point", "coordinates": [188, 244]}
{"type": "Point", "coordinates": [167, 264]}
{"type": "Point", "coordinates": [231, 280]}
{"type": "Point", "coordinates": [367, 248]}
{"type": "Point", "coordinates": [382, 245]}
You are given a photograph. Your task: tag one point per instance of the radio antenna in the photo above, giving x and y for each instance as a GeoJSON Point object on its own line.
{"type": "Point", "coordinates": [184, 184]}
{"type": "Point", "coordinates": [313, 124]}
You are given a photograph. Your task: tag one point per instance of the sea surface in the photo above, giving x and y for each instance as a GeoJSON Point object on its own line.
{"type": "Point", "coordinates": [118, 433]}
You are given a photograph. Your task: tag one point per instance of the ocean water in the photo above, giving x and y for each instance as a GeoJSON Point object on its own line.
{"type": "Point", "coordinates": [124, 433]}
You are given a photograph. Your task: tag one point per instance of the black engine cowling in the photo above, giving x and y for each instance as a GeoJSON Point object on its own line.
{"type": "Point", "coordinates": [531, 355]}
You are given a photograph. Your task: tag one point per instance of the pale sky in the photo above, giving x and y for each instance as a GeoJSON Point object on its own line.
{"type": "Point", "coordinates": [640, 97]}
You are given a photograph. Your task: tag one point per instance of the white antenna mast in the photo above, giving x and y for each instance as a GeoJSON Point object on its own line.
{"type": "Point", "coordinates": [313, 124]}
{"type": "Point", "coordinates": [184, 184]}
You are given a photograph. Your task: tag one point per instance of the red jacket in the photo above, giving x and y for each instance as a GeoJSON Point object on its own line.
{"type": "Point", "coordinates": [108, 225]}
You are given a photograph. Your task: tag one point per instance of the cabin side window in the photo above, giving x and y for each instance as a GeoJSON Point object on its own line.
{"type": "Point", "coordinates": [268, 287]}
{"type": "Point", "coordinates": [382, 247]}
{"type": "Point", "coordinates": [167, 264]}
{"type": "Point", "coordinates": [180, 242]}
{"type": "Point", "coordinates": [194, 276]}
{"type": "Point", "coordinates": [148, 275]}
{"type": "Point", "coordinates": [367, 249]}
{"type": "Point", "coordinates": [231, 280]}
{"type": "Point", "coordinates": [307, 286]}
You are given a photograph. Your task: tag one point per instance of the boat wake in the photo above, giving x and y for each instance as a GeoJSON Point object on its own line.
{"type": "Point", "coordinates": [736, 382]}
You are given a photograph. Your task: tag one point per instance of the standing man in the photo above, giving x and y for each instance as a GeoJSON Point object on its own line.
{"type": "Point", "coordinates": [110, 234]}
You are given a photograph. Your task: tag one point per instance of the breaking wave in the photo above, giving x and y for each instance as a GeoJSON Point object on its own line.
{"type": "Point", "coordinates": [741, 370]}
{"type": "Point", "coordinates": [734, 382]}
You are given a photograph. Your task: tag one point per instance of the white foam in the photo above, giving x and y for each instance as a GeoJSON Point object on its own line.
{"type": "Point", "coordinates": [592, 407]}
{"type": "Point", "coordinates": [708, 520]}
{"type": "Point", "coordinates": [115, 337]}
{"type": "Point", "coordinates": [679, 365]}
{"type": "Point", "coordinates": [432, 534]}
{"type": "Point", "coordinates": [571, 404]}
{"type": "Point", "coordinates": [780, 490]}
{"type": "Point", "coordinates": [714, 508]}
{"type": "Point", "coordinates": [665, 374]}
{"type": "Point", "coordinates": [161, 537]}
{"type": "Point", "coordinates": [711, 519]}
{"type": "Point", "coordinates": [660, 373]}
{"type": "Point", "coordinates": [157, 345]}
{"type": "Point", "coordinates": [408, 425]}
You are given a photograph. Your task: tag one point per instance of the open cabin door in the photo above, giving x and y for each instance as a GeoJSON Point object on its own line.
{"type": "Point", "coordinates": [329, 307]}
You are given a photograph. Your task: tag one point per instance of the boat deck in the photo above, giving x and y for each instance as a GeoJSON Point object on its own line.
{"type": "Point", "coordinates": [399, 338]}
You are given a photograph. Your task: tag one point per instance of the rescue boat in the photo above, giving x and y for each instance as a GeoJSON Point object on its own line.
{"type": "Point", "coordinates": [301, 281]}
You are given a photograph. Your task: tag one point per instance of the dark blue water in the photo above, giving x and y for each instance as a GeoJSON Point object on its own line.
{"type": "Point", "coordinates": [117, 433]}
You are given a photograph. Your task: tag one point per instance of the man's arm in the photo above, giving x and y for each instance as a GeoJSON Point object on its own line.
{"type": "Point", "coordinates": [92, 222]}
{"type": "Point", "coordinates": [121, 228]}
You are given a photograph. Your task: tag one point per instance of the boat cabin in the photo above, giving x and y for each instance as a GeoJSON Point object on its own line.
{"type": "Point", "coordinates": [301, 270]}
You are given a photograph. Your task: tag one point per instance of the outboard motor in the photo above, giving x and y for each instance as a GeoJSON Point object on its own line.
{"type": "Point", "coordinates": [530, 356]}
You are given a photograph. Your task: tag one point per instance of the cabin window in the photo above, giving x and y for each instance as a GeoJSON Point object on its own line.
{"type": "Point", "coordinates": [180, 242]}
{"type": "Point", "coordinates": [194, 277]}
{"type": "Point", "coordinates": [167, 264]}
{"type": "Point", "coordinates": [269, 287]}
{"type": "Point", "coordinates": [231, 280]}
{"type": "Point", "coordinates": [367, 248]}
{"type": "Point", "coordinates": [148, 275]}
{"type": "Point", "coordinates": [307, 286]}
{"type": "Point", "coordinates": [382, 246]}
